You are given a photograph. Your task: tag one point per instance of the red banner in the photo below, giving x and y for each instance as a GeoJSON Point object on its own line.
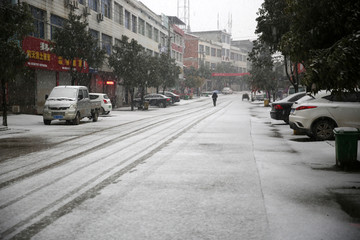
{"type": "Point", "coordinates": [229, 74]}
{"type": "Point", "coordinates": [40, 57]}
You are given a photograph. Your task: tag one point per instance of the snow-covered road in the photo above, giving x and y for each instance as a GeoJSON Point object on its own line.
{"type": "Point", "coordinates": [190, 171]}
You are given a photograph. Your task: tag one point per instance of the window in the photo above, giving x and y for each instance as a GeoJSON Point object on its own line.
{"type": "Point", "coordinates": [106, 43]}
{"type": "Point", "coordinates": [213, 52]}
{"type": "Point", "coordinates": [81, 2]}
{"type": "Point", "coordinates": [106, 8]}
{"type": "Point", "coordinates": [93, 4]}
{"type": "Point", "coordinates": [119, 14]}
{"type": "Point", "coordinates": [141, 26]}
{"type": "Point", "coordinates": [56, 23]}
{"type": "Point", "coordinates": [39, 16]}
{"type": "Point", "coordinates": [95, 35]}
{"type": "Point", "coordinates": [134, 23]}
{"type": "Point", "coordinates": [218, 53]}
{"type": "Point", "coordinates": [163, 39]}
{"type": "Point", "coordinates": [127, 19]}
{"type": "Point", "coordinates": [148, 30]}
{"type": "Point", "coordinates": [207, 50]}
{"type": "Point", "coordinates": [156, 35]}
{"type": "Point", "coordinates": [201, 49]}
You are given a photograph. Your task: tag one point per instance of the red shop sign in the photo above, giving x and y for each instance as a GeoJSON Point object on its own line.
{"type": "Point", "coordinates": [40, 57]}
{"type": "Point", "coordinates": [229, 74]}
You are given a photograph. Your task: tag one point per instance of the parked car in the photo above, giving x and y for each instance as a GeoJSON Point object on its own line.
{"type": "Point", "coordinates": [257, 96]}
{"type": "Point", "coordinates": [227, 90]}
{"type": "Point", "coordinates": [154, 99]}
{"type": "Point", "coordinates": [280, 110]}
{"type": "Point", "coordinates": [174, 97]}
{"type": "Point", "coordinates": [106, 105]}
{"type": "Point", "coordinates": [245, 96]}
{"type": "Point", "coordinates": [318, 117]}
{"type": "Point", "coordinates": [71, 104]}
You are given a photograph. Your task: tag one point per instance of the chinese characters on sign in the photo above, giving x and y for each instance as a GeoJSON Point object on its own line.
{"type": "Point", "coordinates": [40, 57]}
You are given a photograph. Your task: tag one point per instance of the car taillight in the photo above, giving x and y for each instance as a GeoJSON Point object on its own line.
{"type": "Point", "coordinates": [278, 107]}
{"type": "Point", "coordinates": [105, 101]}
{"type": "Point", "coordinates": [168, 99]}
{"type": "Point", "coordinates": [304, 107]}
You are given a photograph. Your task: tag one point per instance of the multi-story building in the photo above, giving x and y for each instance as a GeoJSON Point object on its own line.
{"type": "Point", "coordinates": [108, 21]}
{"type": "Point", "coordinates": [212, 48]}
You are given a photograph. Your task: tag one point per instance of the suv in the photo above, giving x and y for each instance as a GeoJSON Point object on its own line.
{"type": "Point", "coordinates": [320, 116]}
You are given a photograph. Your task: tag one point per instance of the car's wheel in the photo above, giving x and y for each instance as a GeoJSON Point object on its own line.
{"type": "Point", "coordinates": [323, 130]}
{"type": "Point", "coordinates": [47, 122]}
{"type": "Point", "coordinates": [95, 116]}
{"type": "Point", "coordinates": [162, 105]}
{"type": "Point", "coordinates": [76, 120]}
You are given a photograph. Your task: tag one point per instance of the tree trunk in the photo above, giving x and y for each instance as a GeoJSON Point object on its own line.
{"type": "Point", "coordinates": [4, 105]}
{"type": "Point", "coordinates": [132, 98]}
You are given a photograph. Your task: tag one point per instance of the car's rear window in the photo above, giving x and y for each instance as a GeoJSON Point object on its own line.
{"type": "Point", "coordinates": [92, 97]}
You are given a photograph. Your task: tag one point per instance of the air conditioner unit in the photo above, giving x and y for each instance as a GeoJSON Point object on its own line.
{"type": "Point", "coordinates": [100, 17]}
{"type": "Point", "coordinates": [87, 11]}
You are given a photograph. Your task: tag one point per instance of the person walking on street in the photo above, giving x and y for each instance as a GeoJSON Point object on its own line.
{"type": "Point", "coordinates": [214, 97]}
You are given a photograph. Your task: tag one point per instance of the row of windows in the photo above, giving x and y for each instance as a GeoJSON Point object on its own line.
{"type": "Point", "coordinates": [106, 44]}
{"type": "Point", "coordinates": [212, 66]}
{"type": "Point", "coordinates": [216, 52]}
{"type": "Point", "coordinates": [121, 16]}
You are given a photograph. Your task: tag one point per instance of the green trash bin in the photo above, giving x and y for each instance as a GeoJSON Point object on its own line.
{"type": "Point", "coordinates": [346, 145]}
{"type": "Point", "coordinates": [186, 97]}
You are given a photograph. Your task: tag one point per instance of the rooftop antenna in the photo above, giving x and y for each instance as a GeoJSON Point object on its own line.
{"type": "Point", "coordinates": [230, 22]}
{"type": "Point", "coordinates": [183, 13]}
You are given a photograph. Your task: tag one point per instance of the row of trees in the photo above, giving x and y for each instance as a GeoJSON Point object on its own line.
{"type": "Point", "coordinates": [16, 23]}
{"type": "Point", "coordinates": [131, 64]}
{"type": "Point", "coordinates": [324, 36]}
{"type": "Point", "coordinates": [135, 68]}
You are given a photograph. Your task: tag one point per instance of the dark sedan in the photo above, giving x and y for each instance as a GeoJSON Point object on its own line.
{"type": "Point", "coordinates": [280, 110]}
{"type": "Point", "coordinates": [175, 98]}
{"type": "Point", "coordinates": [154, 99]}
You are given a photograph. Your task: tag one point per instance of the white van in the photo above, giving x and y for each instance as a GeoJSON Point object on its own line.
{"type": "Point", "coordinates": [70, 103]}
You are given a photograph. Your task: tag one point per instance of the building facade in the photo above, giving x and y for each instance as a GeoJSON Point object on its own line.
{"type": "Point", "coordinates": [211, 48]}
{"type": "Point", "coordinates": [108, 21]}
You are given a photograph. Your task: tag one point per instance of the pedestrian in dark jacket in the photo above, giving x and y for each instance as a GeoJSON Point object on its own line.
{"type": "Point", "coordinates": [214, 97]}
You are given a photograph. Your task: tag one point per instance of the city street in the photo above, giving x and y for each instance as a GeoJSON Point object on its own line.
{"type": "Point", "coordinates": [188, 171]}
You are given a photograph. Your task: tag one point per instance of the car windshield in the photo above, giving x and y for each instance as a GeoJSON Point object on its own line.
{"type": "Point", "coordinates": [63, 93]}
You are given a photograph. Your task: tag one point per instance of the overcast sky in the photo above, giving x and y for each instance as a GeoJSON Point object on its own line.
{"type": "Point", "coordinates": [204, 14]}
